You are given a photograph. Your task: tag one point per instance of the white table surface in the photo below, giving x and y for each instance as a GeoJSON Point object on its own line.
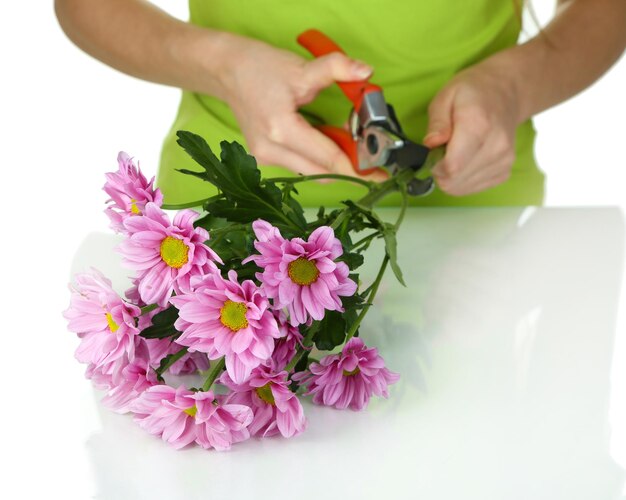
{"type": "Point", "coordinates": [511, 344]}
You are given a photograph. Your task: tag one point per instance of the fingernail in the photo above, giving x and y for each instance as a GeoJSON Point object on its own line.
{"type": "Point", "coordinates": [362, 70]}
{"type": "Point", "coordinates": [431, 135]}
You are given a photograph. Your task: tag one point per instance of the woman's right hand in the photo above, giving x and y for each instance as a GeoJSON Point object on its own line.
{"type": "Point", "coordinates": [265, 86]}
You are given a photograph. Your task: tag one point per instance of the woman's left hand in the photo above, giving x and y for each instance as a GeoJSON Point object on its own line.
{"type": "Point", "coordinates": [475, 114]}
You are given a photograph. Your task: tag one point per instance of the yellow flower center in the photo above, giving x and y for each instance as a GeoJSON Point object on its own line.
{"type": "Point", "coordinates": [351, 373]}
{"type": "Point", "coordinates": [233, 315]}
{"type": "Point", "coordinates": [174, 252]}
{"type": "Point", "coordinates": [133, 207]}
{"type": "Point", "coordinates": [191, 411]}
{"type": "Point", "coordinates": [113, 326]}
{"type": "Point", "coordinates": [265, 393]}
{"type": "Point", "coordinates": [303, 271]}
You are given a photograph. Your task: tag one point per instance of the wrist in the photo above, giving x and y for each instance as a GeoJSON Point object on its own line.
{"type": "Point", "coordinates": [521, 69]}
{"type": "Point", "coordinates": [202, 58]}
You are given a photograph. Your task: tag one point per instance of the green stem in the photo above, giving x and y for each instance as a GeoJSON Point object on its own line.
{"type": "Point", "coordinates": [387, 187]}
{"type": "Point", "coordinates": [405, 204]}
{"type": "Point", "coordinates": [370, 299]}
{"type": "Point", "coordinates": [190, 204]}
{"type": "Point", "coordinates": [294, 361]}
{"type": "Point", "coordinates": [305, 178]}
{"type": "Point", "coordinates": [147, 309]}
{"type": "Point", "coordinates": [364, 240]}
{"type": "Point", "coordinates": [306, 342]}
{"type": "Point", "coordinates": [340, 218]}
{"type": "Point", "coordinates": [378, 192]}
{"type": "Point", "coordinates": [227, 229]}
{"type": "Point", "coordinates": [171, 360]}
{"type": "Point", "coordinates": [216, 369]}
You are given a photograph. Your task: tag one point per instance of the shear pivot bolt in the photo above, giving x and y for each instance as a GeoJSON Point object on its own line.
{"type": "Point", "coordinates": [372, 144]}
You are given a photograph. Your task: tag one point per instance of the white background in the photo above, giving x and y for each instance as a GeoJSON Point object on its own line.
{"type": "Point", "coordinates": [64, 118]}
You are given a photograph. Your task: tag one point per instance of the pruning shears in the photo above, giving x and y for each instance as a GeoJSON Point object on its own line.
{"type": "Point", "coordinates": [375, 139]}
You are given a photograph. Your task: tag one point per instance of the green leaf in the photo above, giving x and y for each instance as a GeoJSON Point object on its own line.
{"type": "Point", "coordinates": [237, 176]}
{"type": "Point", "coordinates": [233, 242]}
{"type": "Point", "coordinates": [368, 219]}
{"type": "Point", "coordinates": [352, 259]}
{"type": "Point", "coordinates": [352, 305]}
{"type": "Point", "coordinates": [291, 207]}
{"type": "Point", "coordinates": [162, 325]}
{"type": "Point", "coordinates": [389, 236]}
{"type": "Point", "coordinates": [391, 247]}
{"type": "Point", "coordinates": [332, 331]}
{"type": "Point", "coordinates": [303, 364]}
{"type": "Point", "coordinates": [168, 361]}
{"type": "Point", "coordinates": [235, 212]}
{"type": "Point", "coordinates": [210, 222]}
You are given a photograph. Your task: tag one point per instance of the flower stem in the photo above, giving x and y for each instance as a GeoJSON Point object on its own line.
{"type": "Point", "coordinates": [190, 204]}
{"type": "Point", "coordinates": [365, 240]}
{"type": "Point", "coordinates": [294, 361]}
{"type": "Point", "coordinates": [340, 218]}
{"type": "Point", "coordinates": [405, 204]}
{"type": "Point", "coordinates": [171, 360]}
{"type": "Point", "coordinates": [305, 178]}
{"type": "Point", "coordinates": [387, 187]}
{"type": "Point", "coordinates": [370, 299]}
{"type": "Point", "coordinates": [227, 229]}
{"type": "Point", "coordinates": [216, 369]}
{"type": "Point", "coordinates": [307, 341]}
{"type": "Point", "coordinates": [147, 309]}
{"type": "Point", "coordinates": [395, 183]}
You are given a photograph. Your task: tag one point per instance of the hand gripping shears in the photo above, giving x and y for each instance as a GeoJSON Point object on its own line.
{"type": "Point", "coordinates": [375, 138]}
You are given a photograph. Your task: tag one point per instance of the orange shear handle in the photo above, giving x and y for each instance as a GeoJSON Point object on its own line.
{"type": "Point", "coordinates": [318, 44]}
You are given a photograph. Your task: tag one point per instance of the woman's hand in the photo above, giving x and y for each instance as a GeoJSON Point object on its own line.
{"type": "Point", "coordinates": [476, 115]}
{"type": "Point", "coordinates": [265, 87]}
{"type": "Point", "coordinates": [262, 84]}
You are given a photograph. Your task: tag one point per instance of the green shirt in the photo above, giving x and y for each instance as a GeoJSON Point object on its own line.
{"type": "Point", "coordinates": [415, 47]}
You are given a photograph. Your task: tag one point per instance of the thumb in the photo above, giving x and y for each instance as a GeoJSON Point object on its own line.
{"type": "Point", "coordinates": [336, 67]}
{"type": "Point", "coordinates": [439, 120]}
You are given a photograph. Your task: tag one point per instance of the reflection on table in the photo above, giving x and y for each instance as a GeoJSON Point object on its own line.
{"type": "Point", "coordinates": [504, 340]}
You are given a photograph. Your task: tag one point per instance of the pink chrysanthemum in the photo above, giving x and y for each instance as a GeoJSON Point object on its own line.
{"type": "Point", "coordinates": [132, 294]}
{"type": "Point", "coordinates": [302, 275]}
{"type": "Point", "coordinates": [129, 191]}
{"type": "Point", "coordinates": [128, 382]}
{"type": "Point", "coordinates": [102, 376]}
{"type": "Point", "coordinates": [108, 375]}
{"type": "Point", "coordinates": [102, 320]}
{"type": "Point", "coordinates": [165, 254]}
{"type": "Point", "coordinates": [276, 409]}
{"type": "Point", "coordinates": [285, 347]}
{"type": "Point", "coordinates": [181, 417]}
{"type": "Point", "coordinates": [224, 318]}
{"type": "Point", "coordinates": [348, 379]}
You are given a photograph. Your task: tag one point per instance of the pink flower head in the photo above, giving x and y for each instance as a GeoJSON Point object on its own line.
{"type": "Point", "coordinates": [101, 376]}
{"type": "Point", "coordinates": [181, 417]}
{"type": "Point", "coordinates": [348, 379]}
{"type": "Point", "coordinates": [103, 321]}
{"type": "Point", "coordinates": [302, 275]}
{"type": "Point", "coordinates": [132, 294]}
{"type": "Point", "coordinates": [165, 254]}
{"type": "Point", "coordinates": [129, 191]}
{"type": "Point", "coordinates": [128, 382]}
{"type": "Point", "coordinates": [276, 409]}
{"type": "Point", "coordinates": [224, 318]}
{"type": "Point", "coordinates": [284, 347]}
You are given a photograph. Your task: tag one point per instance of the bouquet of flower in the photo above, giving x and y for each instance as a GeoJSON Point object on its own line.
{"type": "Point", "coordinates": [246, 296]}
